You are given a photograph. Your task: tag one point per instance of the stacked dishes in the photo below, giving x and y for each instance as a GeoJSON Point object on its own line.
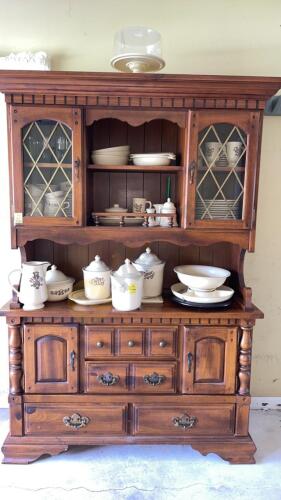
{"type": "Point", "coordinates": [118, 155]}
{"type": "Point", "coordinates": [152, 159]}
{"type": "Point", "coordinates": [114, 220]}
{"type": "Point", "coordinates": [201, 286]}
{"type": "Point", "coordinates": [217, 209]}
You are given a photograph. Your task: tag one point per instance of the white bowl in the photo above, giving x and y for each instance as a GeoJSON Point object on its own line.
{"type": "Point", "coordinates": [150, 160]}
{"type": "Point", "coordinates": [115, 149]}
{"type": "Point", "coordinates": [59, 290]}
{"type": "Point", "coordinates": [201, 278]}
{"type": "Point", "coordinates": [110, 159]}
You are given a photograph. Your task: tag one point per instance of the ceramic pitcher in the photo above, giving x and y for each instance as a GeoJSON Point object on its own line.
{"type": "Point", "coordinates": [33, 289]}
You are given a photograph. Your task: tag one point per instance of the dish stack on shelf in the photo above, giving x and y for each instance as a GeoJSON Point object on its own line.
{"type": "Point", "coordinates": [152, 159]}
{"type": "Point", "coordinates": [217, 209]}
{"type": "Point", "coordinates": [118, 155]}
{"type": "Point", "coordinates": [201, 286]}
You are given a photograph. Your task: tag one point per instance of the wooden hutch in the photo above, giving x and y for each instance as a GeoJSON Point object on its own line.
{"type": "Point", "coordinates": [55, 120]}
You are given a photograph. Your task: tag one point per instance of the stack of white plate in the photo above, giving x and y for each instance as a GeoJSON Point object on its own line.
{"type": "Point", "coordinates": [118, 155]}
{"type": "Point", "coordinates": [184, 293]}
{"type": "Point", "coordinates": [217, 209]}
{"type": "Point", "coordinates": [152, 159]}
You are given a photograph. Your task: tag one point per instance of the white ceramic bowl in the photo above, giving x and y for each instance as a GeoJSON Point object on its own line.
{"type": "Point", "coordinates": [60, 290]}
{"type": "Point", "coordinates": [115, 149]}
{"type": "Point", "coordinates": [121, 159]}
{"type": "Point", "coordinates": [201, 278]}
{"type": "Point", "coordinates": [151, 159]}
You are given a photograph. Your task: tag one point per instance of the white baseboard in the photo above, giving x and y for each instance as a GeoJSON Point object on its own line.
{"type": "Point", "coordinates": [266, 403]}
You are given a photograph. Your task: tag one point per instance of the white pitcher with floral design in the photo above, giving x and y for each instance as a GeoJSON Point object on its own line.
{"type": "Point", "coordinates": [33, 289]}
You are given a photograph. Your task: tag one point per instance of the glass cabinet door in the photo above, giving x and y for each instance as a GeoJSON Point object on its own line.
{"type": "Point", "coordinates": [223, 161]}
{"type": "Point", "coordinates": [50, 175]}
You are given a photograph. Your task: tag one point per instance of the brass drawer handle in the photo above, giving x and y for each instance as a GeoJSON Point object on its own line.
{"type": "Point", "coordinates": [99, 344]}
{"type": "Point", "coordinates": [185, 422]}
{"type": "Point", "coordinates": [76, 421]}
{"type": "Point", "coordinates": [108, 379]}
{"type": "Point", "coordinates": [154, 379]}
{"type": "Point", "coordinates": [131, 343]}
{"type": "Point", "coordinates": [162, 343]}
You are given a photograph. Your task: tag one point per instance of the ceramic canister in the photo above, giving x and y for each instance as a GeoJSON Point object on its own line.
{"type": "Point", "coordinates": [97, 279]}
{"type": "Point", "coordinates": [127, 287]}
{"type": "Point", "coordinates": [153, 269]}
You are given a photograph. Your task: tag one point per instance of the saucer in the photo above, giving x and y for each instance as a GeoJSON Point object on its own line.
{"type": "Point", "coordinates": [80, 298]}
{"type": "Point", "coordinates": [221, 294]}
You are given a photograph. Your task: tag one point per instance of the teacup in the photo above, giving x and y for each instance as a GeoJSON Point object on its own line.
{"type": "Point", "coordinates": [234, 151]}
{"type": "Point", "coordinates": [139, 204]}
{"type": "Point", "coordinates": [212, 151]}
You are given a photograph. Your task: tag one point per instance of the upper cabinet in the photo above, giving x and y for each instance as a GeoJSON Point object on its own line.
{"type": "Point", "coordinates": [222, 169]}
{"type": "Point", "coordinates": [46, 157]}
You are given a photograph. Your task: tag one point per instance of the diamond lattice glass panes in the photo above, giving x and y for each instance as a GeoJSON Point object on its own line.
{"type": "Point", "coordinates": [47, 163]}
{"type": "Point", "coordinates": [221, 172]}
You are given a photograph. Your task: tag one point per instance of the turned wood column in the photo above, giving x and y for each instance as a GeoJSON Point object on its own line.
{"type": "Point", "coordinates": [245, 357]}
{"type": "Point", "coordinates": [15, 357]}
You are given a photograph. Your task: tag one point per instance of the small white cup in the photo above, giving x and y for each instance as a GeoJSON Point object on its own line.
{"type": "Point", "coordinates": [233, 151]}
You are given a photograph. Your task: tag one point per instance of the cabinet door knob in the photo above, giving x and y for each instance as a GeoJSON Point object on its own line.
{"type": "Point", "coordinates": [131, 343]}
{"type": "Point", "coordinates": [99, 344]}
{"type": "Point", "coordinates": [189, 361]}
{"type": "Point", "coordinates": [72, 360]}
{"type": "Point", "coordinates": [162, 343]}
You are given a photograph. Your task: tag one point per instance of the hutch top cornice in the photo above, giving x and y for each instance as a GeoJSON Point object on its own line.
{"type": "Point", "coordinates": [137, 90]}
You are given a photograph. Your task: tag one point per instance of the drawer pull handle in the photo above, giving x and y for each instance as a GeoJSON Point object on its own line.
{"type": "Point", "coordinates": [72, 360]}
{"type": "Point", "coordinates": [99, 344]}
{"type": "Point", "coordinates": [76, 421]}
{"type": "Point", "coordinates": [162, 343]}
{"type": "Point", "coordinates": [131, 343]}
{"type": "Point", "coordinates": [108, 379]}
{"type": "Point", "coordinates": [154, 379]}
{"type": "Point", "coordinates": [185, 422]}
{"type": "Point", "coordinates": [189, 361]}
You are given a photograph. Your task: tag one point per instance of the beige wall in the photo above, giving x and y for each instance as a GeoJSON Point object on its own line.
{"type": "Point", "coordinates": [218, 37]}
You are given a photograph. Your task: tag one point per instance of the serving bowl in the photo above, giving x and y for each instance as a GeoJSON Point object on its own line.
{"type": "Point", "coordinates": [202, 278]}
{"type": "Point", "coordinates": [152, 159]}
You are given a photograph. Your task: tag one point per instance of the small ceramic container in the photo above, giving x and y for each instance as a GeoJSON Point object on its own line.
{"type": "Point", "coordinates": [97, 279]}
{"type": "Point", "coordinates": [168, 208]}
{"type": "Point", "coordinates": [127, 287]}
{"type": "Point", "coordinates": [59, 285]}
{"type": "Point", "coordinates": [153, 269]}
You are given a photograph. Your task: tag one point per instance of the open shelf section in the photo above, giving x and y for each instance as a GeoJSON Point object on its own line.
{"type": "Point", "coordinates": [135, 168]}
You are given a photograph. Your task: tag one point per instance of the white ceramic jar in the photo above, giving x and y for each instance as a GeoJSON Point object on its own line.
{"type": "Point", "coordinates": [168, 208]}
{"type": "Point", "coordinates": [127, 287]}
{"type": "Point", "coordinates": [153, 269]}
{"type": "Point", "coordinates": [58, 284]}
{"type": "Point", "coordinates": [97, 279]}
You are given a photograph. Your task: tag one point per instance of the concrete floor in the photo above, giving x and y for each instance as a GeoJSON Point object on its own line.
{"type": "Point", "coordinates": [150, 472]}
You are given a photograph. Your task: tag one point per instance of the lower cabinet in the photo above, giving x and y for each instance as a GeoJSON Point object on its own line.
{"type": "Point", "coordinates": [51, 419]}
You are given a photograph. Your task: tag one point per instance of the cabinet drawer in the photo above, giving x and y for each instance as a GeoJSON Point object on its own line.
{"type": "Point", "coordinates": [184, 420]}
{"type": "Point", "coordinates": [106, 378]}
{"type": "Point", "coordinates": [99, 342]}
{"type": "Point", "coordinates": [162, 342]}
{"type": "Point", "coordinates": [130, 341]}
{"type": "Point", "coordinates": [50, 419]}
{"type": "Point", "coordinates": [154, 377]}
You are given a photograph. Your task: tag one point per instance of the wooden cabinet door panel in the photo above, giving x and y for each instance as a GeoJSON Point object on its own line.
{"type": "Point", "coordinates": [184, 420]}
{"type": "Point", "coordinates": [49, 419]}
{"type": "Point", "coordinates": [50, 359]}
{"type": "Point", "coordinates": [209, 360]}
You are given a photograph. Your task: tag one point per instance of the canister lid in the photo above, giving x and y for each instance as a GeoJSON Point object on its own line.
{"type": "Point", "coordinates": [148, 259]}
{"type": "Point", "coordinates": [128, 270]}
{"type": "Point", "coordinates": [97, 265]}
{"type": "Point", "coordinates": [55, 276]}
{"type": "Point", "coordinates": [116, 208]}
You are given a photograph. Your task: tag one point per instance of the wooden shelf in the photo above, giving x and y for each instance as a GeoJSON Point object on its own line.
{"type": "Point", "coordinates": [135, 168]}
{"type": "Point", "coordinates": [48, 165]}
{"type": "Point", "coordinates": [168, 309]}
